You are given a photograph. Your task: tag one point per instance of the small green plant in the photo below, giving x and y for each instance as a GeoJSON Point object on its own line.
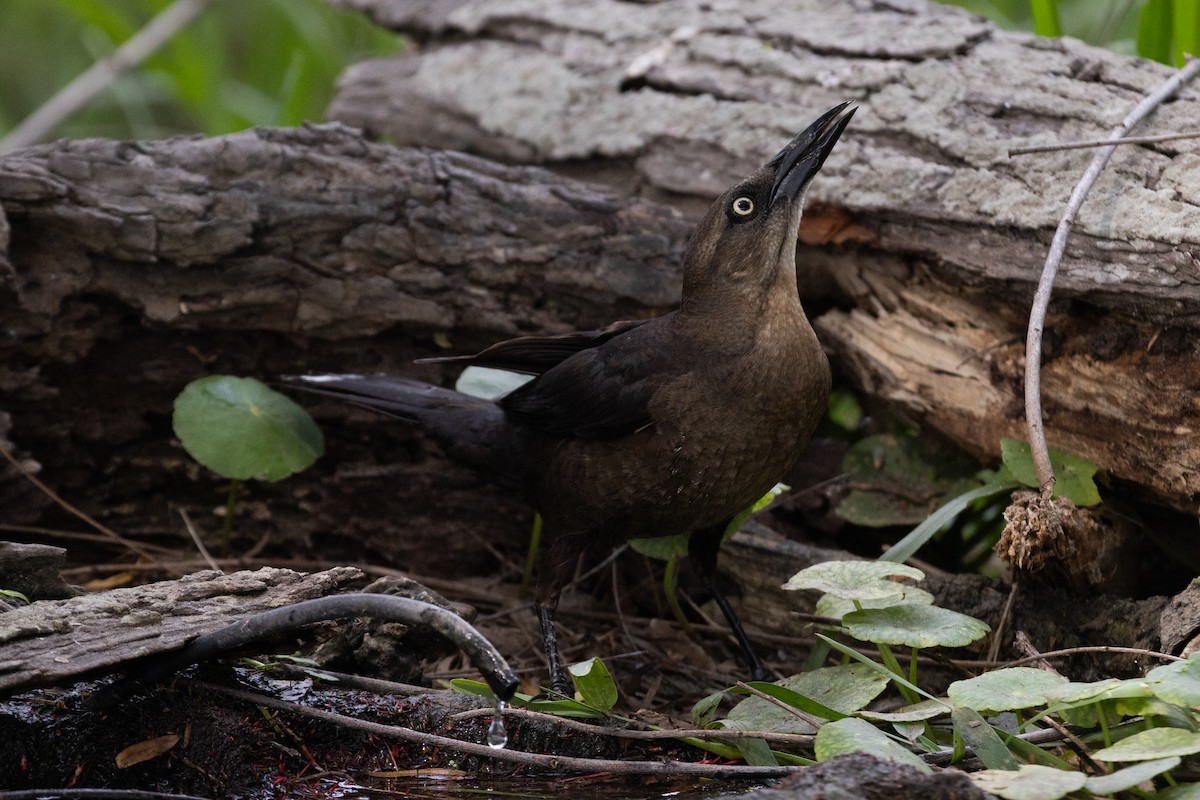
{"type": "Point", "coordinates": [1140, 729]}
{"type": "Point", "coordinates": [1075, 477]}
{"type": "Point", "coordinates": [242, 429]}
{"type": "Point", "coordinates": [673, 548]}
{"type": "Point", "coordinates": [15, 595]}
{"type": "Point", "coordinates": [1162, 30]}
{"type": "Point", "coordinates": [595, 689]}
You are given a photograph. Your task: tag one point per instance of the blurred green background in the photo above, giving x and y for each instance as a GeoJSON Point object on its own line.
{"type": "Point", "coordinates": [239, 63]}
{"type": "Point", "coordinates": [274, 62]}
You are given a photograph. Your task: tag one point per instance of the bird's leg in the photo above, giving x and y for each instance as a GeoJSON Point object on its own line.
{"type": "Point", "coordinates": [703, 546]}
{"type": "Point", "coordinates": [559, 682]}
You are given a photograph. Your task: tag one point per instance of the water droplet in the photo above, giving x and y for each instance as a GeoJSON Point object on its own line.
{"type": "Point", "coordinates": [497, 736]}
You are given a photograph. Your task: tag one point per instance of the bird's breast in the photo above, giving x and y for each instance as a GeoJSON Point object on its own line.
{"type": "Point", "coordinates": [725, 431]}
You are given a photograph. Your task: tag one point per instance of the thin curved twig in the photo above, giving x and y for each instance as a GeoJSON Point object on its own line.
{"type": "Point", "coordinates": [1095, 648]}
{"type": "Point", "coordinates": [551, 762]}
{"type": "Point", "coordinates": [70, 509]}
{"type": "Point", "coordinates": [195, 534]}
{"type": "Point", "coordinates": [1041, 299]}
{"type": "Point", "coordinates": [801, 739]}
{"type": "Point", "coordinates": [98, 77]}
{"type": "Point", "coordinates": [1053, 148]}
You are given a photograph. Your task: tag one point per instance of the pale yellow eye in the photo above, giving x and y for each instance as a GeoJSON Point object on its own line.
{"type": "Point", "coordinates": [743, 206]}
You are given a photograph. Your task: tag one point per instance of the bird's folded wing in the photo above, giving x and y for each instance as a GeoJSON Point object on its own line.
{"type": "Point", "coordinates": [535, 355]}
{"type": "Point", "coordinates": [598, 393]}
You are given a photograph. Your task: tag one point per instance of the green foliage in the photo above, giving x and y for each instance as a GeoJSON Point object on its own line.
{"type": "Point", "coordinates": [240, 428]}
{"type": "Point", "coordinates": [899, 480]}
{"type": "Point", "coordinates": [1004, 689]}
{"type": "Point", "coordinates": [1074, 477]}
{"type": "Point", "coordinates": [596, 690]}
{"type": "Point", "coordinates": [828, 693]}
{"type": "Point", "coordinates": [594, 684]}
{"type": "Point", "coordinates": [1162, 30]}
{"type": "Point", "coordinates": [272, 62]}
{"type": "Point", "coordinates": [858, 736]}
{"type": "Point", "coordinates": [854, 580]}
{"type": "Point", "coordinates": [15, 595]}
{"type": "Point", "coordinates": [1152, 744]}
{"type": "Point", "coordinates": [943, 517]}
{"type": "Point", "coordinates": [1154, 719]}
{"type": "Point", "coordinates": [1029, 782]}
{"type": "Point", "coordinates": [845, 410]}
{"type": "Point", "coordinates": [914, 625]}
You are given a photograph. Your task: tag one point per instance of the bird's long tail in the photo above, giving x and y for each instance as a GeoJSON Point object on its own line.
{"type": "Point", "coordinates": [400, 397]}
{"type": "Point", "coordinates": [472, 430]}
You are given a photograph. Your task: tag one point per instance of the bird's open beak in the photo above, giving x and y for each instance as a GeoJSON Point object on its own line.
{"type": "Point", "coordinates": [796, 164]}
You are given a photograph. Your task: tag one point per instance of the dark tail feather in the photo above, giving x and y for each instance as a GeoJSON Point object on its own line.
{"type": "Point", "coordinates": [400, 397]}
{"type": "Point", "coordinates": [472, 430]}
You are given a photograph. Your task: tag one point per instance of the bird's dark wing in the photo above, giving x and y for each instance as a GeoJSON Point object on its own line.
{"type": "Point", "coordinates": [598, 393]}
{"type": "Point", "coordinates": [534, 355]}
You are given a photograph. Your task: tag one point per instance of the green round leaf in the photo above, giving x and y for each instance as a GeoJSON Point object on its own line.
{"type": "Point", "coordinates": [1005, 689]}
{"type": "Point", "coordinates": [845, 689]}
{"type": "Point", "coordinates": [594, 684]}
{"type": "Point", "coordinates": [1177, 683]}
{"type": "Point", "coordinates": [1152, 744]}
{"type": "Point", "coordinates": [1076, 692]}
{"type": "Point", "coordinates": [858, 736]}
{"type": "Point", "coordinates": [837, 607]}
{"type": "Point", "coordinates": [663, 547]}
{"type": "Point", "coordinates": [926, 709]}
{"type": "Point", "coordinates": [1074, 477]}
{"type": "Point", "coordinates": [915, 626]}
{"type": "Point", "coordinates": [1184, 791]}
{"type": "Point", "coordinates": [1130, 777]}
{"type": "Point", "coordinates": [854, 580]}
{"type": "Point", "coordinates": [1030, 782]}
{"type": "Point", "coordinates": [240, 428]}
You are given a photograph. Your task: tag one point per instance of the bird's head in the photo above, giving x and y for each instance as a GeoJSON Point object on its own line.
{"type": "Point", "coordinates": [747, 240]}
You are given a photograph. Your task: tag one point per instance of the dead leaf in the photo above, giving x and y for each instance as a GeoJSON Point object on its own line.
{"type": "Point", "coordinates": [144, 751]}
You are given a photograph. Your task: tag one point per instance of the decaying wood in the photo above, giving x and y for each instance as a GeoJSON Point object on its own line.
{"type": "Point", "coordinates": [683, 98]}
{"type": "Point", "coordinates": [55, 642]}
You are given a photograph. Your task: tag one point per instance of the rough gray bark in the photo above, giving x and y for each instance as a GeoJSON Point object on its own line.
{"type": "Point", "coordinates": [686, 97]}
{"type": "Point", "coordinates": [315, 231]}
{"type": "Point", "coordinates": [56, 642]}
{"type": "Point", "coordinates": [948, 233]}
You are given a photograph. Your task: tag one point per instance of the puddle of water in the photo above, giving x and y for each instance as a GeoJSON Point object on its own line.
{"type": "Point", "coordinates": [475, 788]}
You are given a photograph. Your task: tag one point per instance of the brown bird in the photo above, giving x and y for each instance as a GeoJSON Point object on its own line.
{"type": "Point", "coordinates": [651, 427]}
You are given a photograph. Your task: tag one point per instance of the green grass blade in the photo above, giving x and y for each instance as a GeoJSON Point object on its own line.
{"type": "Point", "coordinates": [857, 656]}
{"type": "Point", "coordinates": [910, 544]}
{"type": "Point", "coordinates": [1045, 17]}
{"type": "Point", "coordinates": [1154, 31]}
{"type": "Point", "coordinates": [1186, 29]}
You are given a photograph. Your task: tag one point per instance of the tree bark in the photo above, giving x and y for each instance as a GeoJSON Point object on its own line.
{"type": "Point", "coordinates": [939, 236]}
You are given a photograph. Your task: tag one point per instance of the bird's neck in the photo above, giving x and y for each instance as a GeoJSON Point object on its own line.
{"type": "Point", "coordinates": [731, 317]}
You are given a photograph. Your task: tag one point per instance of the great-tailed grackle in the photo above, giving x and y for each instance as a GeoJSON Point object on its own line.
{"type": "Point", "coordinates": [652, 427]}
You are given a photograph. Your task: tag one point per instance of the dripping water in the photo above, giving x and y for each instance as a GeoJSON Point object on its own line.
{"type": "Point", "coordinates": [497, 735]}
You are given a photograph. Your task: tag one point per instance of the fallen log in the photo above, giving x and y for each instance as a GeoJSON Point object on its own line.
{"type": "Point", "coordinates": [942, 233]}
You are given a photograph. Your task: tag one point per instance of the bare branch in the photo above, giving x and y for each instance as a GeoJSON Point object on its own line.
{"type": "Point", "coordinates": [1050, 148]}
{"type": "Point", "coordinates": [98, 77]}
{"type": "Point", "coordinates": [1041, 299]}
